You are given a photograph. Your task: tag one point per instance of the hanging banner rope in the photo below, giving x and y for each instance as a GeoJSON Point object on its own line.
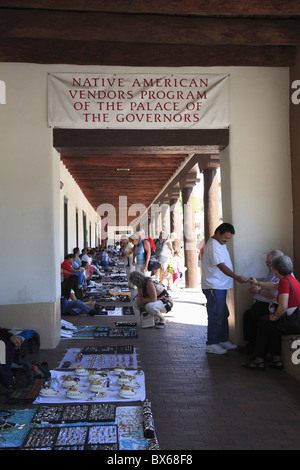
{"type": "Point", "coordinates": [139, 101]}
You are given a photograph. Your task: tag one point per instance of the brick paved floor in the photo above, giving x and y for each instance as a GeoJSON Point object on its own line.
{"type": "Point", "coordinates": [200, 401]}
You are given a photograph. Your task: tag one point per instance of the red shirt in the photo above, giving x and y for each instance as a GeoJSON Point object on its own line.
{"type": "Point", "coordinates": [285, 288]}
{"type": "Point", "coordinates": [68, 267]}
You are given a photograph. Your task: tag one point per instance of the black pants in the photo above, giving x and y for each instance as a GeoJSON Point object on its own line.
{"type": "Point", "coordinates": [72, 283]}
{"type": "Point", "coordinates": [6, 376]}
{"type": "Point", "coordinates": [268, 338]}
{"type": "Point", "coordinates": [251, 318]}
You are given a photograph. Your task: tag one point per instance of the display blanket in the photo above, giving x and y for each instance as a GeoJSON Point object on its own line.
{"type": "Point", "coordinates": [17, 424]}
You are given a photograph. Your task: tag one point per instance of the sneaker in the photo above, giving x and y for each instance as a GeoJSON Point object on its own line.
{"type": "Point", "coordinates": [228, 345]}
{"type": "Point", "coordinates": [160, 324]}
{"type": "Point", "coordinates": [215, 349]}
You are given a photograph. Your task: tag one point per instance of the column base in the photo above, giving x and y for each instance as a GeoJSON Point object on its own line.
{"type": "Point", "coordinates": [44, 318]}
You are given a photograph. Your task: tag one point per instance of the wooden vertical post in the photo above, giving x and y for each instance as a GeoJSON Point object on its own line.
{"type": "Point", "coordinates": [211, 202]}
{"type": "Point", "coordinates": [189, 235]}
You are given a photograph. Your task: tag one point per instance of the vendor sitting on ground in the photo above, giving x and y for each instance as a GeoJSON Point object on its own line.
{"type": "Point", "coordinates": [11, 343]}
{"type": "Point", "coordinates": [149, 299]}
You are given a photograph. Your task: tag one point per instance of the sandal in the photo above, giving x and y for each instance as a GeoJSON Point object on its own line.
{"type": "Point", "coordinates": [251, 365]}
{"type": "Point", "coordinates": [276, 365]}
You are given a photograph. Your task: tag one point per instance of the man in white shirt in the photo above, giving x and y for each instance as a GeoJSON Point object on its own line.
{"type": "Point", "coordinates": [217, 278]}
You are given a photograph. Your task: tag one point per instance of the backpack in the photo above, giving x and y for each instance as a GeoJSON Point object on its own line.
{"type": "Point", "coordinates": [162, 292]}
{"type": "Point", "coordinates": [172, 266]}
{"type": "Point", "coordinates": [152, 244]}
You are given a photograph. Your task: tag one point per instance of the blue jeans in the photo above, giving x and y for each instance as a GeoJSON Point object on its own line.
{"type": "Point", "coordinates": [76, 307]}
{"type": "Point", "coordinates": [80, 276]}
{"type": "Point", "coordinates": [217, 316]}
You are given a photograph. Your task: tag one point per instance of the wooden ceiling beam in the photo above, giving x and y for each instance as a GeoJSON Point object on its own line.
{"type": "Point", "coordinates": [133, 159]}
{"type": "Point", "coordinates": [149, 29]}
{"type": "Point", "coordinates": [90, 161]}
{"type": "Point", "coordinates": [174, 7]}
{"type": "Point", "coordinates": [102, 170]}
{"type": "Point", "coordinates": [94, 141]}
{"type": "Point", "coordinates": [47, 51]}
{"type": "Point", "coordinates": [94, 173]}
{"type": "Point", "coordinates": [117, 182]}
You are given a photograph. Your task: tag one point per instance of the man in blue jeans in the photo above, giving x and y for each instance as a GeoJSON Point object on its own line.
{"type": "Point", "coordinates": [217, 278]}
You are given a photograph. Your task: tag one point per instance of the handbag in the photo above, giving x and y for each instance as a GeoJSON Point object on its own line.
{"type": "Point", "coordinates": [290, 324]}
{"type": "Point", "coordinates": [153, 264]}
{"type": "Point", "coordinates": [147, 320]}
{"type": "Point", "coordinates": [172, 267]}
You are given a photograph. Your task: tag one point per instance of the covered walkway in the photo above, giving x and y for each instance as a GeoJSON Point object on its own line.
{"type": "Point", "coordinates": [200, 401]}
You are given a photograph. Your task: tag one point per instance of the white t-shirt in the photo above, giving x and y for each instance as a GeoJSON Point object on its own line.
{"type": "Point", "coordinates": [212, 277]}
{"type": "Point", "coordinates": [86, 258]}
{"type": "Point", "coordinates": [166, 252]}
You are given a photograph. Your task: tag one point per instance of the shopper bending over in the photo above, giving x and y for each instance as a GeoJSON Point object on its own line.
{"type": "Point", "coordinates": [154, 302]}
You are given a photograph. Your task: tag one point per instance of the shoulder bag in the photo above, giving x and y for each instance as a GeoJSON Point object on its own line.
{"type": "Point", "coordinates": [290, 324]}
{"type": "Point", "coordinates": [154, 263]}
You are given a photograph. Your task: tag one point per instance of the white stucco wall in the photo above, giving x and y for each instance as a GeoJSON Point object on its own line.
{"type": "Point", "coordinates": [258, 167]}
{"type": "Point", "coordinates": [76, 201]}
{"type": "Point", "coordinates": [28, 195]}
{"type": "Point", "coordinates": [256, 178]}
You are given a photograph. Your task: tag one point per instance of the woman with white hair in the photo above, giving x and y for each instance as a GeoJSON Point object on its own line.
{"type": "Point", "coordinates": [142, 252]}
{"type": "Point", "coordinates": [128, 254]}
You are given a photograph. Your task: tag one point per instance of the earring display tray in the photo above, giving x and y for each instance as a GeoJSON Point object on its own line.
{"type": "Point", "coordinates": [102, 297]}
{"type": "Point", "coordinates": [58, 414]}
{"type": "Point", "coordinates": [72, 437]}
{"type": "Point", "coordinates": [95, 358]}
{"type": "Point", "coordinates": [115, 331]}
{"type": "Point", "coordinates": [108, 350]}
{"type": "Point", "coordinates": [112, 311]}
{"type": "Point", "coordinates": [111, 331]}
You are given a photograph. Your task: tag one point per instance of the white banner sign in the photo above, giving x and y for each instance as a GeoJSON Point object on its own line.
{"type": "Point", "coordinates": [138, 101]}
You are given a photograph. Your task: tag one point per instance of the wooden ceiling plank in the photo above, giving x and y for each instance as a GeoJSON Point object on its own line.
{"type": "Point", "coordinates": [64, 140]}
{"type": "Point", "coordinates": [173, 7]}
{"type": "Point", "coordinates": [46, 51]}
{"type": "Point", "coordinates": [133, 164]}
{"type": "Point", "coordinates": [86, 26]}
{"type": "Point", "coordinates": [94, 174]}
{"type": "Point", "coordinates": [116, 159]}
{"type": "Point", "coordinates": [97, 170]}
{"type": "Point", "coordinates": [116, 181]}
